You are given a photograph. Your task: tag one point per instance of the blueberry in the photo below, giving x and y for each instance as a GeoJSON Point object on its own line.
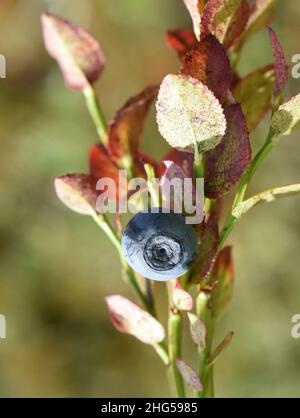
{"type": "Point", "coordinates": [159, 246]}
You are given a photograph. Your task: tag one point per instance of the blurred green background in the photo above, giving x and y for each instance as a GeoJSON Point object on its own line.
{"type": "Point", "coordinates": [56, 266]}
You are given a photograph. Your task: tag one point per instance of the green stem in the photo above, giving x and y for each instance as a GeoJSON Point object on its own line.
{"type": "Point", "coordinates": [175, 331]}
{"type": "Point", "coordinates": [104, 224]}
{"type": "Point", "coordinates": [152, 185]}
{"type": "Point", "coordinates": [205, 372]}
{"type": "Point", "coordinates": [198, 163]}
{"type": "Point", "coordinates": [102, 221]}
{"type": "Point", "coordinates": [244, 183]}
{"type": "Point", "coordinates": [96, 113]}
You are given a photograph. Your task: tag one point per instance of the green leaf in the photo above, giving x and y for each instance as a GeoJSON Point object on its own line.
{"type": "Point", "coordinates": [129, 318]}
{"type": "Point", "coordinates": [78, 54]}
{"type": "Point", "coordinates": [198, 330]}
{"type": "Point", "coordinates": [77, 192]}
{"type": "Point", "coordinates": [254, 93]}
{"type": "Point", "coordinates": [266, 196]}
{"type": "Point", "coordinates": [222, 279]}
{"type": "Point", "coordinates": [287, 117]}
{"type": "Point", "coordinates": [189, 114]}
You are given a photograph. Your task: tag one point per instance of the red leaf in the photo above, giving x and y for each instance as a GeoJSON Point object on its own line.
{"type": "Point", "coordinates": [225, 165]}
{"type": "Point", "coordinates": [281, 67]}
{"type": "Point", "coordinates": [129, 318]}
{"type": "Point", "coordinates": [208, 63]}
{"type": "Point", "coordinates": [181, 40]}
{"type": "Point", "coordinates": [78, 54]}
{"type": "Point", "coordinates": [126, 128]}
{"type": "Point", "coordinates": [208, 239]}
{"type": "Point", "coordinates": [77, 192]}
{"type": "Point", "coordinates": [102, 166]}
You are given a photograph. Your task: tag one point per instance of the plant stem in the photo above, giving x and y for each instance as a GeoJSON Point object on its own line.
{"type": "Point", "coordinates": [104, 224]}
{"type": "Point", "coordinates": [174, 334]}
{"type": "Point", "coordinates": [198, 163]}
{"type": "Point", "coordinates": [152, 185]}
{"type": "Point", "coordinates": [174, 331]}
{"type": "Point", "coordinates": [96, 113]}
{"type": "Point", "coordinates": [260, 156]}
{"type": "Point", "coordinates": [102, 221]}
{"type": "Point", "coordinates": [205, 372]}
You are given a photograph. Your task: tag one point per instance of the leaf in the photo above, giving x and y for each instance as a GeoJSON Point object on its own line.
{"type": "Point", "coordinates": [77, 192]}
{"type": "Point", "coordinates": [198, 330]}
{"type": "Point", "coordinates": [261, 14]}
{"type": "Point", "coordinates": [254, 92]}
{"type": "Point", "coordinates": [281, 67]}
{"type": "Point", "coordinates": [208, 63]}
{"type": "Point", "coordinates": [184, 160]}
{"type": "Point", "coordinates": [222, 278]}
{"type": "Point", "coordinates": [238, 25]}
{"type": "Point", "coordinates": [101, 166]}
{"type": "Point", "coordinates": [195, 7]}
{"type": "Point", "coordinates": [208, 240]}
{"type": "Point", "coordinates": [181, 40]}
{"type": "Point", "coordinates": [189, 375]}
{"type": "Point", "coordinates": [126, 128]}
{"type": "Point", "coordinates": [221, 348]}
{"type": "Point", "coordinates": [78, 54]}
{"type": "Point", "coordinates": [129, 318]}
{"type": "Point", "coordinates": [266, 196]}
{"type": "Point", "coordinates": [181, 299]}
{"type": "Point", "coordinates": [286, 117]}
{"type": "Point", "coordinates": [226, 19]}
{"type": "Point", "coordinates": [225, 165]}
{"type": "Point", "coordinates": [188, 113]}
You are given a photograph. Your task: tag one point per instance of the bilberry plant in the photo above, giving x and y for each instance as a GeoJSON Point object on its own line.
{"type": "Point", "coordinates": [206, 112]}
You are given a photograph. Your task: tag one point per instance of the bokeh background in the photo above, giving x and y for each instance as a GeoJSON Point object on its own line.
{"type": "Point", "coordinates": [57, 267]}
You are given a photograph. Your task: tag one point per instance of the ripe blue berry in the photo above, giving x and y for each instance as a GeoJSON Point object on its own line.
{"type": "Point", "coordinates": [159, 246]}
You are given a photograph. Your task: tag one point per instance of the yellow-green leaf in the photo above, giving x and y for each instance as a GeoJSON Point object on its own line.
{"type": "Point", "coordinates": [189, 114]}
{"type": "Point", "coordinates": [266, 196]}
{"type": "Point", "coordinates": [287, 117]}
